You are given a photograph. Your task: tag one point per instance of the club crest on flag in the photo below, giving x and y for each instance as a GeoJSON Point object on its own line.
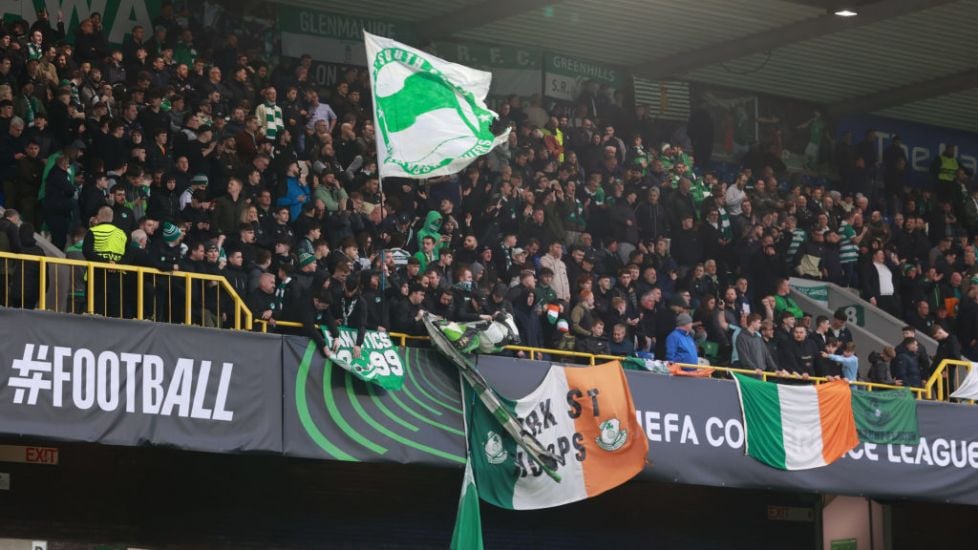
{"type": "Point", "coordinates": [495, 451]}
{"type": "Point", "coordinates": [613, 436]}
{"type": "Point", "coordinates": [405, 98]}
{"type": "Point", "coordinates": [431, 117]}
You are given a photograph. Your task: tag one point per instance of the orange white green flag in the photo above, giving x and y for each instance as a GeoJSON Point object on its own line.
{"type": "Point", "coordinates": [797, 427]}
{"type": "Point", "coordinates": [585, 415]}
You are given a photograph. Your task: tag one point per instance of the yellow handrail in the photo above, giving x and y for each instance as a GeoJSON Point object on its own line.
{"type": "Point", "coordinates": [935, 388]}
{"type": "Point", "coordinates": [919, 393]}
{"type": "Point", "coordinates": [243, 317]}
{"type": "Point", "coordinates": [936, 381]}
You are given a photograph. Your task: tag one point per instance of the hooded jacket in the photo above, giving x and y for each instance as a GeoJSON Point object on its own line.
{"type": "Point", "coordinates": [432, 225]}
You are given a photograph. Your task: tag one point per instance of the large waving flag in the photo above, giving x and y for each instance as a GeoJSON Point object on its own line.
{"type": "Point", "coordinates": [797, 427]}
{"type": "Point", "coordinates": [585, 414]}
{"type": "Point", "coordinates": [430, 115]}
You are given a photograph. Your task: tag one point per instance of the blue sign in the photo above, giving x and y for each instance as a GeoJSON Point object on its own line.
{"type": "Point", "coordinates": [921, 142]}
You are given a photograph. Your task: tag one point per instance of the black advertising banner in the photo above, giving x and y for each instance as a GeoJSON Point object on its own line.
{"type": "Point", "coordinates": [696, 436]}
{"type": "Point", "coordinates": [130, 383]}
{"type": "Point", "coordinates": [331, 414]}
{"type": "Point", "coordinates": [136, 383]}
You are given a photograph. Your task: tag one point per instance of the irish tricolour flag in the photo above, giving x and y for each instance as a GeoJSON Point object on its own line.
{"type": "Point", "coordinates": [430, 115]}
{"type": "Point", "coordinates": [584, 415]}
{"type": "Point", "coordinates": [797, 427]}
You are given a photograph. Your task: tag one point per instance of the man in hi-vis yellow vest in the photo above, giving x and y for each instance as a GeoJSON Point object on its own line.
{"type": "Point", "coordinates": [943, 169]}
{"type": "Point", "coordinates": [106, 243]}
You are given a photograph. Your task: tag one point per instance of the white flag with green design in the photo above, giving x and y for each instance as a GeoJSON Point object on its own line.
{"type": "Point", "coordinates": [430, 115]}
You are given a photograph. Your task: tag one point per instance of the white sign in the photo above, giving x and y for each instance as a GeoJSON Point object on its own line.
{"type": "Point", "coordinates": [4, 481]}
{"type": "Point", "coordinates": [109, 381]}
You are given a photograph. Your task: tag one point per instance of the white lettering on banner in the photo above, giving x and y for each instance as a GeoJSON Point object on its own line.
{"type": "Point", "coordinates": [920, 158]}
{"type": "Point", "coordinates": [126, 14]}
{"type": "Point", "coordinates": [340, 26]}
{"type": "Point", "coordinates": [663, 427]}
{"type": "Point", "coordinates": [98, 382]}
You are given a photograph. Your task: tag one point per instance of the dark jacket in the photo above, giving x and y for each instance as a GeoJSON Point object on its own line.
{"type": "Point", "coordinates": [59, 193]}
{"type": "Point", "coordinates": [948, 348]}
{"type": "Point", "coordinates": [799, 357]}
{"type": "Point", "coordinates": [905, 368]}
{"type": "Point", "coordinates": [652, 221]}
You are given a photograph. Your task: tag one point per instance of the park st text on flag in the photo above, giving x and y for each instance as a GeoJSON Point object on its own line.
{"type": "Point", "coordinates": [584, 415]}
{"type": "Point", "coordinates": [797, 427]}
{"type": "Point", "coordinates": [431, 117]}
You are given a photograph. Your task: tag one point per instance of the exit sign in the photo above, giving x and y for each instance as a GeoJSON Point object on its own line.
{"type": "Point", "coordinates": [24, 454]}
{"type": "Point", "coordinates": [790, 513]}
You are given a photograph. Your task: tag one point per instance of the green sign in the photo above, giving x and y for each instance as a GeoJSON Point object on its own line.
{"type": "Point", "coordinates": [331, 37]}
{"type": "Point", "coordinates": [379, 361]}
{"type": "Point", "coordinates": [855, 313]}
{"type": "Point", "coordinates": [843, 544]}
{"type": "Point", "coordinates": [118, 16]}
{"type": "Point", "coordinates": [565, 75]}
{"type": "Point", "coordinates": [817, 292]}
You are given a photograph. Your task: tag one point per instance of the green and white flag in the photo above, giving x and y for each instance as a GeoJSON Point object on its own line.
{"type": "Point", "coordinates": [468, 523]}
{"type": "Point", "coordinates": [430, 115]}
{"type": "Point", "coordinates": [886, 417]}
{"type": "Point", "coordinates": [379, 360]}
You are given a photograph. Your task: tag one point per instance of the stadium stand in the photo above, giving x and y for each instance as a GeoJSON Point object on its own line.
{"type": "Point", "coordinates": [209, 161]}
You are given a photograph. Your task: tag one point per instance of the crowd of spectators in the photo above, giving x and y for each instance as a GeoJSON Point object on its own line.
{"type": "Point", "coordinates": [181, 151]}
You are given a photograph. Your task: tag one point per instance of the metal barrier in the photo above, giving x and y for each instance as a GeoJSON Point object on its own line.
{"type": "Point", "coordinates": [592, 359]}
{"type": "Point", "coordinates": [119, 290]}
{"type": "Point", "coordinates": [938, 384]}
{"type": "Point", "coordinates": [136, 282]}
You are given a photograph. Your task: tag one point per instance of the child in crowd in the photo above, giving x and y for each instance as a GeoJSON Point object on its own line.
{"type": "Point", "coordinates": [848, 359]}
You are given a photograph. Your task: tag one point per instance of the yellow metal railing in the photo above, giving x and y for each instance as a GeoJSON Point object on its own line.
{"type": "Point", "coordinates": [592, 359]}
{"type": "Point", "coordinates": [116, 284]}
{"type": "Point", "coordinates": [938, 384]}
{"type": "Point", "coordinates": [13, 276]}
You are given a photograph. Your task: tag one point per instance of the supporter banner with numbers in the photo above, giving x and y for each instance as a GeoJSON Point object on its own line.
{"type": "Point", "coordinates": [330, 414]}
{"type": "Point", "coordinates": [119, 382]}
{"type": "Point", "coordinates": [379, 361]}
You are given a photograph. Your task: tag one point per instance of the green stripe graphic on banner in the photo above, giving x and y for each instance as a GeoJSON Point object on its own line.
{"type": "Point", "coordinates": [762, 420]}
{"type": "Point", "coordinates": [410, 373]}
{"type": "Point", "coordinates": [334, 411]}
{"type": "Point", "coordinates": [412, 412]}
{"type": "Point", "coordinates": [391, 434]}
{"type": "Point", "coordinates": [389, 413]}
{"type": "Point", "coordinates": [434, 385]}
{"type": "Point", "coordinates": [302, 407]}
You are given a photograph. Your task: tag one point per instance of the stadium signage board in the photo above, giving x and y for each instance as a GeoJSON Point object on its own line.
{"type": "Point", "coordinates": [333, 38]}
{"type": "Point", "coordinates": [120, 382]}
{"type": "Point", "coordinates": [564, 76]}
{"type": "Point", "coordinates": [118, 16]}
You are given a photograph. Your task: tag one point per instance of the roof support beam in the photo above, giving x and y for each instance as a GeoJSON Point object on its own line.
{"type": "Point", "coordinates": [910, 93]}
{"type": "Point", "coordinates": [476, 15]}
{"type": "Point", "coordinates": [766, 41]}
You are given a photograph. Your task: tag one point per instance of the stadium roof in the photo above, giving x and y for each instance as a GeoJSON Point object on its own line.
{"type": "Point", "coordinates": [907, 59]}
